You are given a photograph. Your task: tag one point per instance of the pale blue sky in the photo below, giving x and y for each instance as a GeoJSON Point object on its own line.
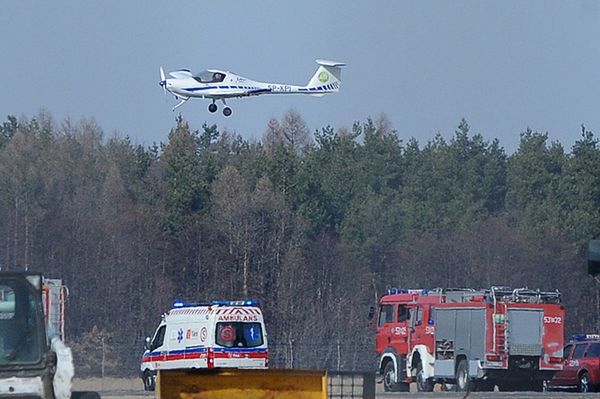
{"type": "Point", "coordinates": [502, 65]}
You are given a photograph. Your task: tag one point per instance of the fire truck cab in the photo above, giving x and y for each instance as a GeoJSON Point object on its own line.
{"type": "Point", "coordinates": [469, 339]}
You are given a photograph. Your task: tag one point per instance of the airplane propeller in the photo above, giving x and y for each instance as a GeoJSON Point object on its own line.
{"type": "Point", "coordinates": [163, 80]}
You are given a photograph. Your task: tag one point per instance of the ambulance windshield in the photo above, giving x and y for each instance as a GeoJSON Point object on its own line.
{"type": "Point", "coordinates": [19, 323]}
{"type": "Point", "coordinates": [239, 335]}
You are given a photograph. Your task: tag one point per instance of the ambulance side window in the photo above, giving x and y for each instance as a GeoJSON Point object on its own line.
{"type": "Point", "coordinates": [158, 338]}
{"type": "Point", "coordinates": [386, 314]}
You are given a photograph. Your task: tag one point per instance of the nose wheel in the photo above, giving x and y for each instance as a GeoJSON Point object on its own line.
{"type": "Point", "coordinates": [226, 111]}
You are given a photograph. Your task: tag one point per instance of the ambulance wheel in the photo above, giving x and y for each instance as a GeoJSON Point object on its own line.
{"type": "Point", "coordinates": [389, 380]}
{"type": "Point", "coordinates": [423, 384]}
{"type": "Point", "coordinates": [149, 381]}
{"type": "Point", "coordinates": [212, 108]}
{"type": "Point", "coordinates": [463, 381]}
{"type": "Point", "coordinates": [227, 111]}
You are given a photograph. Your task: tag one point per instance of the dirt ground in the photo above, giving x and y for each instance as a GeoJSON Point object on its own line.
{"type": "Point", "coordinates": [123, 388]}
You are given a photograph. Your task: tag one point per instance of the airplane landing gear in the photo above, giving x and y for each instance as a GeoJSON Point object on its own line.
{"type": "Point", "coordinates": [212, 108]}
{"type": "Point", "coordinates": [226, 111]}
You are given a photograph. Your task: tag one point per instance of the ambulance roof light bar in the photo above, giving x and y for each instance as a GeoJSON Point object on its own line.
{"type": "Point", "coordinates": [248, 302]}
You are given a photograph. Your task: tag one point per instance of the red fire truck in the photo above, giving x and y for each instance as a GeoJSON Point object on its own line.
{"type": "Point", "coordinates": [469, 339]}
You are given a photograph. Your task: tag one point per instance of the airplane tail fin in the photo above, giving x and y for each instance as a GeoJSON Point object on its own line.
{"type": "Point", "coordinates": [327, 78]}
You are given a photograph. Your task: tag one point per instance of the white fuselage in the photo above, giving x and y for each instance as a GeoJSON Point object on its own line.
{"type": "Point", "coordinates": [216, 84]}
{"type": "Point", "coordinates": [237, 86]}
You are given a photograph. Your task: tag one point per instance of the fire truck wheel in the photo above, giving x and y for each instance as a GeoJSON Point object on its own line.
{"type": "Point", "coordinates": [85, 395]}
{"type": "Point", "coordinates": [484, 386]}
{"type": "Point", "coordinates": [463, 381]}
{"type": "Point", "coordinates": [423, 384]}
{"type": "Point", "coordinates": [389, 380]}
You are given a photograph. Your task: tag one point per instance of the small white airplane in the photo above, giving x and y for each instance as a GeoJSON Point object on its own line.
{"type": "Point", "coordinates": [216, 85]}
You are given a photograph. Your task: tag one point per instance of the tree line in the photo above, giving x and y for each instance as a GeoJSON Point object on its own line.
{"type": "Point", "coordinates": [314, 225]}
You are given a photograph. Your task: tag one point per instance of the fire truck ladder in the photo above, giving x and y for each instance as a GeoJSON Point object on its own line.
{"type": "Point", "coordinates": [526, 295]}
{"type": "Point", "coordinates": [499, 323]}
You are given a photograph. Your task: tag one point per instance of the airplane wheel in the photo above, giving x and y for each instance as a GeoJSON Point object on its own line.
{"type": "Point", "coordinates": [226, 111]}
{"type": "Point", "coordinates": [212, 107]}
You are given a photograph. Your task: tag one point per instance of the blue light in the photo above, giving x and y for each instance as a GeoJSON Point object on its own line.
{"type": "Point", "coordinates": [583, 337]}
{"type": "Point", "coordinates": [247, 302]}
{"type": "Point", "coordinates": [217, 302]}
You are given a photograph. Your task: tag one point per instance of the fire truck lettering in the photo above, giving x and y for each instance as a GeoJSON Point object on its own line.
{"type": "Point", "coordinates": [552, 320]}
{"type": "Point", "coordinates": [398, 330]}
{"type": "Point", "coordinates": [430, 330]}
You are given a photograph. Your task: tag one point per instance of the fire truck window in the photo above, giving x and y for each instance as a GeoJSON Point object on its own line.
{"type": "Point", "coordinates": [386, 314]}
{"type": "Point", "coordinates": [403, 313]}
{"type": "Point", "coordinates": [158, 338]}
{"type": "Point", "coordinates": [418, 316]}
{"type": "Point", "coordinates": [579, 351]}
{"type": "Point", "coordinates": [593, 350]}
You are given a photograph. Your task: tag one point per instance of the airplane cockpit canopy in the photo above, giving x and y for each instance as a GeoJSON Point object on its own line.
{"type": "Point", "coordinates": [209, 77]}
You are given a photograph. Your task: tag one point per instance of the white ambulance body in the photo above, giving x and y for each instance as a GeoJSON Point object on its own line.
{"type": "Point", "coordinates": [206, 335]}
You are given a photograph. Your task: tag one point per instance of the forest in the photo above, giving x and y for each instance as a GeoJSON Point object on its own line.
{"type": "Point", "coordinates": [314, 225]}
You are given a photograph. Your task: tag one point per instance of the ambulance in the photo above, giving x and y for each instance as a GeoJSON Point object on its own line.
{"type": "Point", "coordinates": [206, 335]}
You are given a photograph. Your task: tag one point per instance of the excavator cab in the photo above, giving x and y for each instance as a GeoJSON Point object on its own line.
{"type": "Point", "coordinates": [27, 365]}
{"type": "Point", "coordinates": [22, 334]}
{"type": "Point", "coordinates": [33, 364]}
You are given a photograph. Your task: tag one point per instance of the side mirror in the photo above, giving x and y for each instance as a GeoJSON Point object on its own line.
{"type": "Point", "coordinates": [371, 312]}
{"type": "Point", "coordinates": [147, 343]}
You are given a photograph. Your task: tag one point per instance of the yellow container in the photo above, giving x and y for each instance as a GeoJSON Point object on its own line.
{"type": "Point", "coordinates": [241, 383]}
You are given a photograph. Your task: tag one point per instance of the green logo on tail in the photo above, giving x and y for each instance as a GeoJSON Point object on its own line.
{"type": "Point", "coordinates": [323, 77]}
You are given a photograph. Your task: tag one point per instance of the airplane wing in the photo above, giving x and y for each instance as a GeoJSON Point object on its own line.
{"type": "Point", "coordinates": [245, 93]}
{"type": "Point", "coordinates": [238, 91]}
{"type": "Point", "coordinates": [257, 92]}
{"type": "Point", "coordinates": [182, 74]}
